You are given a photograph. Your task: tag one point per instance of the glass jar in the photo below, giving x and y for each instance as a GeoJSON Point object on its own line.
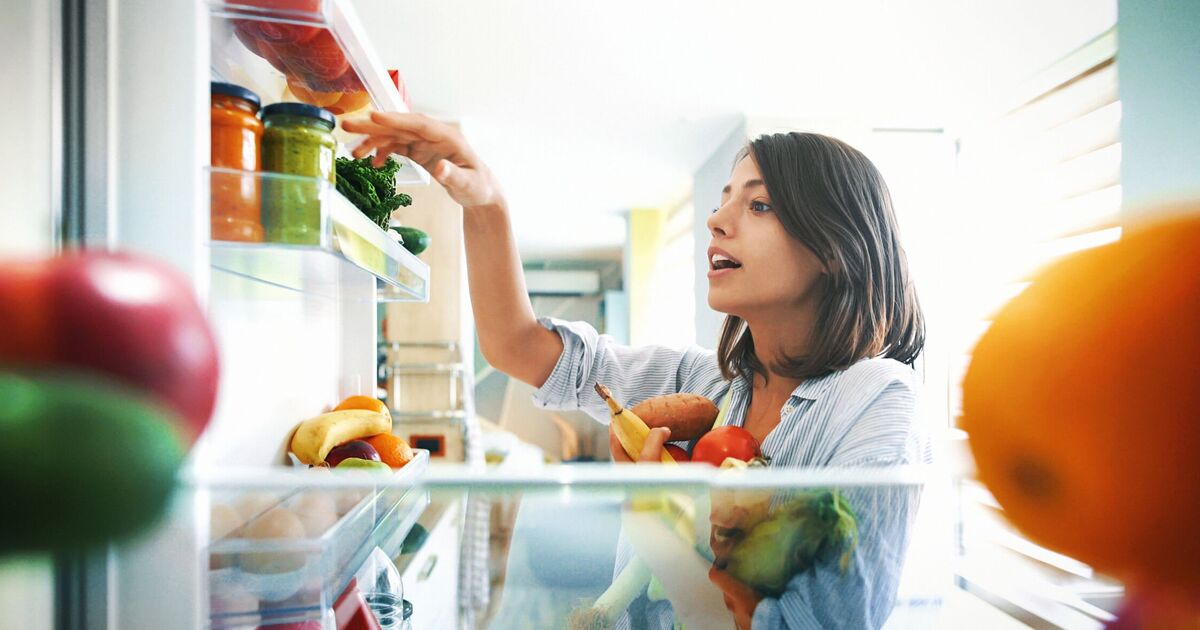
{"type": "Point", "coordinates": [235, 131]}
{"type": "Point", "coordinates": [297, 140]}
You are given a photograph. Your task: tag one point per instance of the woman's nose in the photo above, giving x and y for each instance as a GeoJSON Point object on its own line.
{"type": "Point", "coordinates": [717, 223]}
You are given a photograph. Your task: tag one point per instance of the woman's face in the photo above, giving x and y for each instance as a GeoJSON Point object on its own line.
{"type": "Point", "coordinates": [756, 268]}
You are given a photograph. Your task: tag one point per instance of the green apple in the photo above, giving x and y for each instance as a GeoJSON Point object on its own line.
{"type": "Point", "coordinates": [358, 462]}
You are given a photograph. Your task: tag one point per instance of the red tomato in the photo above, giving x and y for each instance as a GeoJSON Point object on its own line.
{"type": "Point", "coordinates": [317, 61]}
{"type": "Point", "coordinates": [262, 48]}
{"type": "Point", "coordinates": [677, 453]}
{"type": "Point", "coordinates": [723, 442]}
{"type": "Point", "coordinates": [279, 32]}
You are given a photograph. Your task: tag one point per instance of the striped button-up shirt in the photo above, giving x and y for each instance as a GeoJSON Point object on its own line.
{"type": "Point", "coordinates": [861, 416]}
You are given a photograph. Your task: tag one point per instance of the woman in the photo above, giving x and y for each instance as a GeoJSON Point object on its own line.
{"type": "Point", "coordinates": [815, 356]}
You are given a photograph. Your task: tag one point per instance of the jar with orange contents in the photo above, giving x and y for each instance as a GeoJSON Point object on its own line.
{"type": "Point", "coordinates": [236, 133]}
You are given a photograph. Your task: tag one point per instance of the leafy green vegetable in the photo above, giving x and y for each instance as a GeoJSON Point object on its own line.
{"type": "Point", "coordinates": [372, 190]}
{"type": "Point", "coordinates": [815, 524]}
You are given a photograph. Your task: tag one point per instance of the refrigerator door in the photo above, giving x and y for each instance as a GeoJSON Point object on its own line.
{"type": "Point", "coordinates": [156, 97]}
{"type": "Point", "coordinates": [30, 225]}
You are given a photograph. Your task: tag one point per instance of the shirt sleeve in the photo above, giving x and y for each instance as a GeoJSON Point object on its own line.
{"type": "Point", "coordinates": [632, 374]}
{"type": "Point", "coordinates": [863, 597]}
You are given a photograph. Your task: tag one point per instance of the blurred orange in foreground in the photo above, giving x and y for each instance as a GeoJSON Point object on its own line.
{"type": "Point", "coordinates": [393, 450]}
{"type": "Point", "coordinates": [1082, 402]}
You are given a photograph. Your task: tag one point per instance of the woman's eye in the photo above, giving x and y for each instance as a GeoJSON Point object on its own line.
{"type": "Point", "coordinates": [760, 206]}
{"type": "Point", "coordinates": [714, 210]}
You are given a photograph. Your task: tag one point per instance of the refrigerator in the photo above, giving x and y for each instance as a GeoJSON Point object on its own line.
{"type": "Point", "coordinates": [118, 108]}
{"type": "Point", "coordinates": [120, 98]}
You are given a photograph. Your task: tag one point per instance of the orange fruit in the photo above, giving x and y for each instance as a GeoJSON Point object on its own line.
{"type": "Point", "coordinates": [350, 102]}
{"type": "Point", "coordinates": [362, 402]}
{"type": "Point", "coordinates": [1082, 405]}
{"type": "Point", "coordinates": [393, 450]}
{"type": "Point", "coordinates": [312, 97]}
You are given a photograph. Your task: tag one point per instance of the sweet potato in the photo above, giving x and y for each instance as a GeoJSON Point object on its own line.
{"type": "Point", "coordinates": [687, 415]}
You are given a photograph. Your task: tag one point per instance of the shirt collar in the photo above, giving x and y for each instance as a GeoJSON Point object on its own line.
{"type": "Point", "coordinates": [810, 389]}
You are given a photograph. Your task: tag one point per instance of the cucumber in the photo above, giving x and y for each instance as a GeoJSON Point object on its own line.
{"type": "Point", "coordinates": [82, 462]}
{"type": "Point", "coordinates": [415, 241]}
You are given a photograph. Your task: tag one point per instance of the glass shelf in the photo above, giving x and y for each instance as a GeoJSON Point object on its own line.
{"type": "Point", "coordinates": [559, 534]}
{"type": "Point", "coordinates": [311, 51]}
{"type": "Point", "coordinates": [299, 545]}
{"type": "Point", "coordinates": [311, 237]}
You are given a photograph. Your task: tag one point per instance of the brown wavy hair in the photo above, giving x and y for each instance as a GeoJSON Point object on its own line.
{"type": "Point", "coordinates": [830, 197]}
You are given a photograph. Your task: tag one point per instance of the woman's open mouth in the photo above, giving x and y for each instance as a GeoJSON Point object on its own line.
{"type": "Point", "coordinates": [721, 263]}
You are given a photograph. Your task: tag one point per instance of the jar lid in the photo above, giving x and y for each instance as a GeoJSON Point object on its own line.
{"type": "Point", "coordinates": [236, 91]}
{"type": "Point", "coordinates": [299, 109]}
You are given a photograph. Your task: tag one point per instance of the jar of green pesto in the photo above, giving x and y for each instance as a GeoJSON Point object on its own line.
{"type": "Point", "coordinates": [297, 140]}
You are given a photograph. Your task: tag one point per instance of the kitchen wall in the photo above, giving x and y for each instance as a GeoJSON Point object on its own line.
{"type": "Point", "coordinates": [1159, 75]}
{"type": "Point", "coordinates": [707, 183]}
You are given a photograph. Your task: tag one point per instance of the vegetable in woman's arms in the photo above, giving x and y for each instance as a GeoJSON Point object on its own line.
{"type": "Point", "coordinates": [372, 190]}
{"type": "Point", "coordinates": [813, 526]}
{"type": "Point", "coordinates": [603, 614]}
{"type": "Point", "coordinates": [688, 416]}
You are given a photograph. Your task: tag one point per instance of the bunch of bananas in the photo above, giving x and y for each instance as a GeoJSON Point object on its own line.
{"type": "Point", "coordinates": [315, 437]}
{"type": "Point", "coordinates": [631, 430]}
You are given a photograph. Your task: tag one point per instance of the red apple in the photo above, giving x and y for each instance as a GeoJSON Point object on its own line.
{"type": "Point", "coordinates": [677, 453]}
{"type": "Point", "coordinates": [128, 317]}
{"type": "Point", "coordinates": [353, 448]}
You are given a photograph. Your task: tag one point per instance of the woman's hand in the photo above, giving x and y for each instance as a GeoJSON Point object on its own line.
{"type": "Point", "coordinates": [439, 148]}
{"type": "Point", "coordinates": [740, 599]}
{"type": "Point", "coordinates": [651, 450]}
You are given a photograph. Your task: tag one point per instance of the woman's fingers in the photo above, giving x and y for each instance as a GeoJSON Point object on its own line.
{"type": "Point", "coordinates": [425, 155]}
{"type": "Point", "coordinates": [653, 448]}
{"type": "Point", "coordinates": [417, 124]}
{"type": "Point", "coordinates": [372, 128]}
{"type": "Point", "coordinates": [382, 153]}
{"type": "Point", "coordinates": [383, 123]}
{"type": "Point", "coordinates": [439, 148]}
{"type": "Point", "coordinates": [448, 175]}
{"type": "Point", "coordinates": [370, 144]}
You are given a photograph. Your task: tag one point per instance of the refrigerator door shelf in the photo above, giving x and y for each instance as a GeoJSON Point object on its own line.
{"type": "Point", "coordinates": [277, 568]}
{"type": "Point", "coordinates": [312, 51]}
{"type": "Point", "coordinates": [325, 234]}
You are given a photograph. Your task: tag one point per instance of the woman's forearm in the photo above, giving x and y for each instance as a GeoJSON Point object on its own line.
{"type": "Point", "coordinates": [510, 337]}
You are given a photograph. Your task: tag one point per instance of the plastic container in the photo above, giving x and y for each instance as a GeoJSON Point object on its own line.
{"type": "Point", "coordinates": [391, 611]}
{"type": "Point", "coordinates": [236, 132]}
{"type": "Point", "coordinates": [266, 576]}
{"type": "Point", "coordinates": [297, 140]}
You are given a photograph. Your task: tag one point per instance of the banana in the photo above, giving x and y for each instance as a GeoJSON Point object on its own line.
{"type": "Point", "coordinates": [315, 437]}
{"type": "Point", "coordinates": [630, 429]}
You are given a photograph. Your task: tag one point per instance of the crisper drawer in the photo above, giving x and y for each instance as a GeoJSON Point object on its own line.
{"type": "Point", "coordinates": [430, 576]}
